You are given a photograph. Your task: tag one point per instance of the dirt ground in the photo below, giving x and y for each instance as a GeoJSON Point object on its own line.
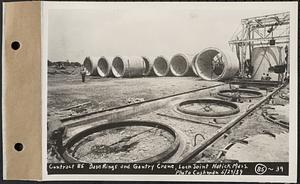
{"type": "Point", "coordinates": [102, 93]}
{"type": "Point", "coordinates": [66, 92]}
{"type": "Point", "coordinates": [111, 149]}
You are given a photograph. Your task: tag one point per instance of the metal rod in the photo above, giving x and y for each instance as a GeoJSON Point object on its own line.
{"type": "Point", "coordinates": [133, 104]}
{"type": "Point", "coordinates": [75, 106]}
{"type": "Point", "coordinates": [125, 139]}
{"type": "Point", "coordinates": [190, 155]}
{"type": "Point", "coordinates": [267, 43]}
{"type": "Point", "coordinates": [184, 119]}
{"type": "Point", "coordinates": [258, 39]}
{"type": "Point", "coordinates": [195, 138]}
{"type": "Point", "coordinates": [266, 16]}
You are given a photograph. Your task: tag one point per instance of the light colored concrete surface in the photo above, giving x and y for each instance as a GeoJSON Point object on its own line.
{"type": "Point", "coordinates": [261, 148]}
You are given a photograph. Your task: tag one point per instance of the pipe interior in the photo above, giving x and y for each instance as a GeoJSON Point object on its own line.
{"type": "Point", "coordinates": [118, 67]}
{"type": "Point", "coordinates": [193, 65]}
{"type": "Point", "coordinates": [160, 66]}
{"type": "Point", "coordinates": [147, 65]}
{"type": "Point", "coordinates": [179, 65]}
{"type": "Point", "coordinates": [103, 67]}
{"type": "Point", "coordinates": [210, 64]}
{"type": "Point", "coordinates": [88, 65]}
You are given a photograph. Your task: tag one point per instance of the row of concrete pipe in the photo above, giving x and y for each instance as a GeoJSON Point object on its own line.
{"type": "Point", "coordinates": [201, 64]}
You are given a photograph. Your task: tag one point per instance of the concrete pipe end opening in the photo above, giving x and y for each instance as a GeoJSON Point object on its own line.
{"type": "Point", "coordinates": [90, 63]}
{"type": "Point", "coordinates": [118, 67]}
{"type": "Point", "coordinates": [104, 67]}
{"type": "Point", "coordinates": [179, 65]}
{"type": "Point", "coordinates": [87, 63]}
{"type": "Point", "coordinates": [148, 66]}
{"type": "Point", "coordinates": [193, 65]}
{"type": "Point", "coordinates": [214, 64]}
{"type": "Point", "coordinates": [161, 66]}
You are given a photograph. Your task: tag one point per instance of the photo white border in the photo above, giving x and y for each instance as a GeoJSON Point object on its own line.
{"type": "Point", "coordinates": [3, 96]}
{"type": "Point", "coordinates": [46, 6]}
{"type": "Point", "coordinates": [44, 84]}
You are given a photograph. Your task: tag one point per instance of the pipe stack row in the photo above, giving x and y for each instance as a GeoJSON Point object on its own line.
{"type": "Point", "coordinates": [201, 64]}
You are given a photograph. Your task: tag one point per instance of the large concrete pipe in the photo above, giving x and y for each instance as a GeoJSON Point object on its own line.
{"type": "Point", "coordinates": [148, 65]}
{"type": "Point", "coordinates": [193, 65]}
{"type": "Point", "coordinates": [264, 57]}
{"type": "Point", "coordinates": [90, 63]}
{"type": "Point", "coordinates": [214, 64]}
{"type": "Point", "coordinates": [128, 66]}
{"type": "Point", "coordinates": [161, 66]}
{"type": "Point", "coordinates": [104, 66]}
{"type": "Point", "coordinates": [181, 65]}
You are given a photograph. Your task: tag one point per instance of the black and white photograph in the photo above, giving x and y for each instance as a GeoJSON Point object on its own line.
{"type": "Point", "coordinates": [183, 88]}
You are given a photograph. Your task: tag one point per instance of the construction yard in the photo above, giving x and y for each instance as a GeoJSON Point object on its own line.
{"type": "Point", "coordinates": [157, 99]}
{"type": "Point", "coordinates": [215, 105]}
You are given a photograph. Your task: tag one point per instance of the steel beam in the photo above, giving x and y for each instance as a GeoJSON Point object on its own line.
{"type": "Point", "coordinates": [259, 39]}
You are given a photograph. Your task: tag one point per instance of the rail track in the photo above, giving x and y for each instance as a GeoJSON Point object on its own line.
{"type": "Point", "coordinates": [129, 110]}
{"type": "Point", "coordinates": [190, 155]}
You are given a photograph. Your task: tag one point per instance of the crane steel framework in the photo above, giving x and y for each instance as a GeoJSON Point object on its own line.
{"type": "Point", "coordinates": [261, 31]}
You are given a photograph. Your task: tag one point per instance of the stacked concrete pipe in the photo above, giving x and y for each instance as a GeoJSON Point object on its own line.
{"type": "Point", "coordinates": [104, 66]}
{"type": "Point", "coordinates": [194, 66]}
{"type": "Point", "coordinates": [123, 66]}
{"type": "Point", "coordinates": [181, 65]}
{"type": "Point", "coordinates": [148, 60]}
{"type": "Point", "coordinates": [161, 66]}
{"type": "Point", "coordinates": [206, 58]}
{"type": "Point", "coordinates": [90, 63]}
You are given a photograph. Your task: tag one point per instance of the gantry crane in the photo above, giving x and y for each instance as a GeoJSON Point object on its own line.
{"type": "Point", "coordinates": [261, 31]}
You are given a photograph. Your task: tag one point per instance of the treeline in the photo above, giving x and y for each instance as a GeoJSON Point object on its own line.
{"type": "Point", "coordinates": [63, 63]}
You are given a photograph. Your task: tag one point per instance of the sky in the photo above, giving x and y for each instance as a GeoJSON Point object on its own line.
{"type": "Point", "coordinates": [77, 30]}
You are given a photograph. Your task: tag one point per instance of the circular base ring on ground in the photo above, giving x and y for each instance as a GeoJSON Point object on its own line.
{"type": "Point", "coordinates": [156, 158]}
{"type": "Point", "coordinates": [273, 119]}
{"type": "Point", "coordinates": [254, 94]}
{"type": "Point", "coordinates": [233, 108]}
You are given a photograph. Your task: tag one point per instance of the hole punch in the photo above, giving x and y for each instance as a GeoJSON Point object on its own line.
{"type": "Point", "coordinates": [15, 45]}
{"type": "Point", "coordinates": [19, 146]}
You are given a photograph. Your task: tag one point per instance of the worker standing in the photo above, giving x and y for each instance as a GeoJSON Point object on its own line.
{"type": "Point", "coordinates": [248, 68]}
{"type": "Point", "coordinates": [83, 73]}
{"type": "Point", "coordinates": [263, 77]}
